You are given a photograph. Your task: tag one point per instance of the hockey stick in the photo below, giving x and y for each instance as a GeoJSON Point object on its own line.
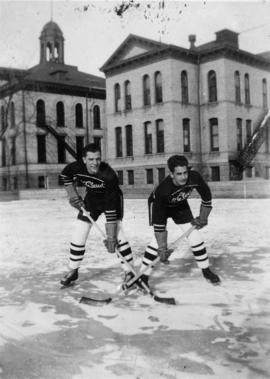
{"type": "Point", "coordinates": [147, 289]}
{"type": "Point", "coordinates": [173, 245]}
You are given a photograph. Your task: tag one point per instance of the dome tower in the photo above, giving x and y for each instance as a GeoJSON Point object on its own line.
{"type": "Point", "coordinates": [51, 43]}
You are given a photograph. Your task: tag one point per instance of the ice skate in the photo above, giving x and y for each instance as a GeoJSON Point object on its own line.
{"type": "Point", "coordinates": [143, 279]}
{"type": "Point", "coordinates": [70, 277]}
{"type": "Point", "coordinates": [210, 276]}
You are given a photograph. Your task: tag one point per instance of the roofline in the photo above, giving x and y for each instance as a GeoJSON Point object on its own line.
{"type": "Point", "coordinates": [190, 55]}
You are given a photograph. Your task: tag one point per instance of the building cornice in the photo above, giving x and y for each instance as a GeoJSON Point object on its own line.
{"type": "Point", "coordinates": [56, 88]}
{"type": "Point", "coordinates": [187, 55]}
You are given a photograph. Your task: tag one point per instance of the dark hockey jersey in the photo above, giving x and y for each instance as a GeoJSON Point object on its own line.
{"type": "Point", "coordinates": [168, 196]}
{"type": "Point", "coordinates": [102, 189]}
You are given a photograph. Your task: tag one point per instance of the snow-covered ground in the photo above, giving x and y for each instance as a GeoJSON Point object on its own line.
{"type": "Point", "coordinates": [213, 332]}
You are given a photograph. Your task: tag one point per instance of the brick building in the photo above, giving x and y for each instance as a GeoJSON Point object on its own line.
{"type": "Point", "coordinates": [48, 113]}
{"type": "Point", "coordinates": [206, 102]}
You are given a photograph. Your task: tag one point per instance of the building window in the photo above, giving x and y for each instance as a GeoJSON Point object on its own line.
{"type": "Point", "coordinates": [3, 124]}
{"type": "Point", "coordinates": [15, 183]}
{"type": "Point", "coordinates": [184, 87]}
{"type": "Point", "coordinates": [214, 138]}
{"type": "Point", "coordinates": [41, 148]}
{"type": "Point", "coordinates": [40, 113]}
{"type": "Point", "coordinates": [212, 86]}
{"type": "Point", "coordinates": [237, 87]}
{"type": "Point", "coordinates": [60, 114]}
{"type": "Point", "coordinates": [127, 95]}
{"type": "Point", "coordinates": [239, 133]}
{"type": "Point", "coordinates": [118, 142]}
{"type": "Point", "coordinates": [5, 183]}
{"type": "Point", "coordinates": [61, 150]}
{"type": "Point", "coordinates": [60, 181]}
{"type": "Point", "coordinates": [13, 150]}
{"type": "Point", "coordinates": [149, 176]}
{"type": "Point", "coordinates": [161, 174]}
{"type": "Point", "coordinates": [148, 137]}
{"type": "Point", "coordinates": [247, 90]}
{"type": "Point", "coordinates": [146, 91]}
{"type": "Point", "coordinates": [79, 146]}
{"type": "Point", "coordinates": [264, 93]}
{"type": "Point", "coordinates": [129, 141]}
{"type": "Point", "coordinates": [79, 115]}
{"type": "Point", "coordinates": [41, 181]}
{"type": "Point", "coordinates": [96, 112]}
{"type": "Point", "coordinates": [12, 115]}
{"type": "Point", "coordinates": [248, 172]}
{"type": "Point", "coordinates": [97, 141]}
{"type": "Point", "coordinates": [4, 161]}
{"type": "Point", "coordinates": [248, 131]}
{"type": "Point", "coordinates": [120, 177]}
{"type": "Point", "coordinates": [158, 87]}
{"type": "Point", "coordinates": [117, 97]}
{"type": "Point", "coordinates": [130, 177]}
{"type": "Point", "coordinates": [186, 135]}
{"type": "Point", "coordinates": [160, 136]}
{"type": "Point", "coordinates": [215, 174]}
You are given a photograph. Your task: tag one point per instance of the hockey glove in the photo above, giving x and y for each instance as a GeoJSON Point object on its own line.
{"type": "Point", "coordinates": [163, 251]}
{"type": "Point", "coordinates": [202, 220]}
{"type": "Point", "coordinates": [111, 241]}
{"type": "Point", "coordinates": [76, 202]}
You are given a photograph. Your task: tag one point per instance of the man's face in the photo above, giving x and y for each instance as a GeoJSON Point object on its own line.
{"type": "Point", "coordinates": [180, 175]}
{"type": "Point", "coordinates": [92, 161]}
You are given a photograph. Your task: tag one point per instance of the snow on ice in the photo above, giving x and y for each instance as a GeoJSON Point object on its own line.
{"type": "Point", "coordinates": [213, 332]}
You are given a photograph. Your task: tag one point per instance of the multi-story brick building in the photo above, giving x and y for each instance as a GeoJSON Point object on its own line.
{"type": "Point", "coordinates": [205, 102]}
{"type": "Point", "coordinates": [48, 113]}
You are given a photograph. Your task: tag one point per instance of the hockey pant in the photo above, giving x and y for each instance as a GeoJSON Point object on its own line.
{"type": "Point", "coordinates": [195, 241]}
{"type": "Point", "coordinates": [78, 241]}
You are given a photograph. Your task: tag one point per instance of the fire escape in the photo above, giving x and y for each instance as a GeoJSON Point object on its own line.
{"type": "Point", "coordinates": [251, 148]}
{"type": "Point", "coordinates": [65, 142]}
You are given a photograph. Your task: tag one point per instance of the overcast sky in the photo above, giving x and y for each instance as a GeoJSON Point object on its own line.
{"type": "Point", "coordinates": [92, 31]}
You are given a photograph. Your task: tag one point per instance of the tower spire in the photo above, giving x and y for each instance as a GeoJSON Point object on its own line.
{"type": "Point", "coordinates": [51, 9]}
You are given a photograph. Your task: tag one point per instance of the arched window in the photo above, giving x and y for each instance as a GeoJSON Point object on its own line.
{"type": "Point", "coordinates": [186, 135]}
{"type": "Point", "coordinates": [96, 113]}
{"type": "Point", "coordinates": [264, 93]}
{"type": "Point", "coordinates": [118, 142]}
{"type": "Point", "coordinates": [79, 115]}
{"type": "Point", "coordinates": [239, 134]}
{"type": "Point", "coordinates": [60, 114]}
{"type": "Point", "coordinates": [40, 113]}
{"type": "Point", "coordinates": [12, 114]}
{"type": "Point", "coordinates": [237, 87]}
{"type": "Point", "coordinates": [117, 97]}
{"type": "Point", "coordinates": [146, 90]}
{"type": "Point", "coordinates": [158, 87]}
{"type": "Point", "coordinates": [148, 137]}
{"type": "Point", "coordinates": [3, 119]}
{"type": "Point", "coordinates": [127, 95]}
{"type": "Point", "coordinates": [160, 136]}
{"type": "Point", "coordinates": [212, 86]}
{"type": "Point", "coordinates": [129, 141]}
{"type": "Point", "coordinates": [247, 90]}
{"type": "Point", "coordinates": [184, 87]}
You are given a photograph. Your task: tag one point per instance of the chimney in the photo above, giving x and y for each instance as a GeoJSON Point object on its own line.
{"type": "Point", "coordinates": [192, 40]}
{"type": "Point", "coordinates": [227, 36]}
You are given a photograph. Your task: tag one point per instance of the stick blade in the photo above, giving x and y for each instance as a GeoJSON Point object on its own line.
{"type": "Point", "coordinates": [165, 300]}
{"type": "Point", "coordinates": [91, 301]}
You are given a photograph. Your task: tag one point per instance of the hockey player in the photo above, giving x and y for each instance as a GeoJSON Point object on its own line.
{"type": "Point", "coordinates": [103, 195]}
{"type": "Point", "coordinates": [169, 199]}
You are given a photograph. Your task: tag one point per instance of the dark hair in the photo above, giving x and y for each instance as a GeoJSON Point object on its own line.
{"type": "Point", "coordinates": [177, 160]}
{"type": "Point", "coordinates": [91, 147]}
